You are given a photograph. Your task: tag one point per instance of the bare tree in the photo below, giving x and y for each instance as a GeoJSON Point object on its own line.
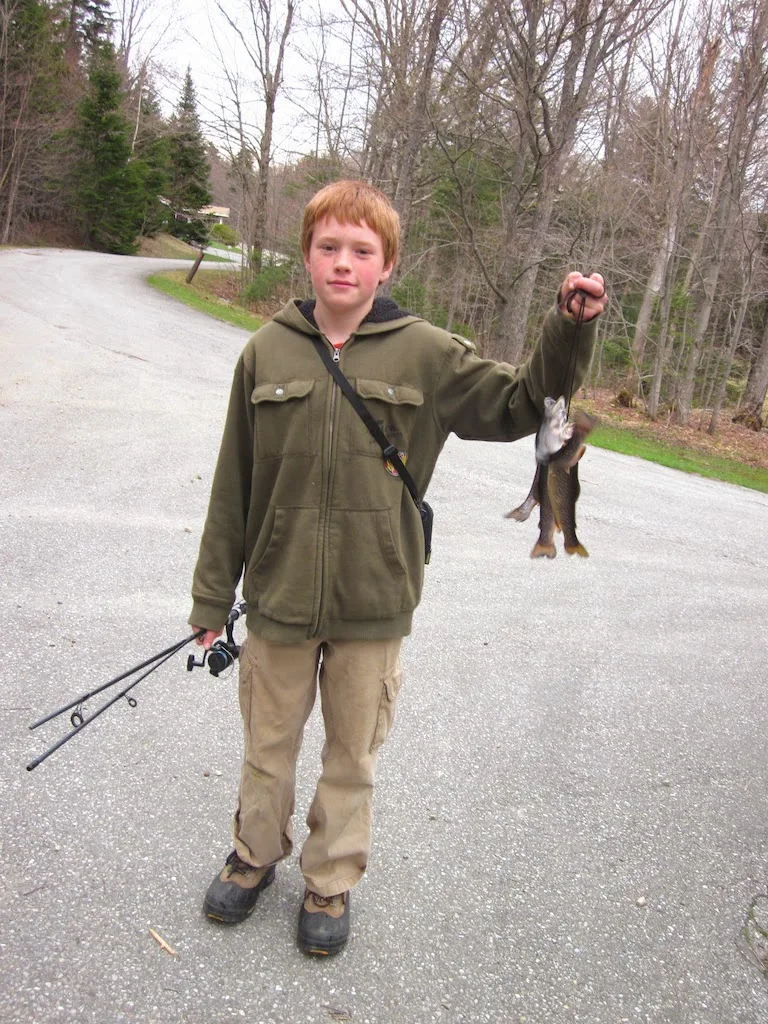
{"type": "Point", "coordinates": [261, 29]}
{"type": "Point", "coordinates": [681, 103]}
{"type": "Point", "coordinates": [746, 92]}
{"type": "Point", "coordinates": [548, 62]}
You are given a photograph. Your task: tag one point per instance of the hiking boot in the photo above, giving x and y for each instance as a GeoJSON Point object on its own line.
{"type": "Point", "coordinates": [232, 895]}
{"type": "Point", "coordinates": [323, 923]}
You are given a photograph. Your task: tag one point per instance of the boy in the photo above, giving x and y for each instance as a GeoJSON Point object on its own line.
{"type": "Point", "coordinates": [330, 539]}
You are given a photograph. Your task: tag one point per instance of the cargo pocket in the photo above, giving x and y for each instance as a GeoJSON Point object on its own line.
{"type": "Point", "coordinates": [282, 418]}
{"type": "Point", "coordinates": [246, 669]}
{"type": "Point", "coordinates": [393, 406]}
{"type": "Point", "coordinates": [281, 584]}
{"type": "Point", "coordinates": [387, 705]}
{"type": "Point", "coordinates": [366, 576]}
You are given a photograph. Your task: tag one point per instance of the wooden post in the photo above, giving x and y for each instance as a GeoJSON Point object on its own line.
{"type": "Point", "coordinates": [195, 265]}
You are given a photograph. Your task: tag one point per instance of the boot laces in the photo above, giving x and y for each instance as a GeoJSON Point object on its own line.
{"type": "Point", "coordinates": [327, 901]}
{"type": "Point", "coordinates": [238, 866]}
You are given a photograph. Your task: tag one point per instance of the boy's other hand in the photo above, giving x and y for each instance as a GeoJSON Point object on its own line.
{"type": "Point", "coordinates": [208, 638]}
{"type": "Point", "coordinates": [594, 286]}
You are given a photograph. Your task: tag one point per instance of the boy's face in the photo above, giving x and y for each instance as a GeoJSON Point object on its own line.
{"type": "Point", "coordinates": [346, 264]}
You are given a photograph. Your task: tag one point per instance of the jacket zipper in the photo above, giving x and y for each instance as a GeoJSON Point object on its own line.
{"type": "Point", "coordinates": [327, 510]}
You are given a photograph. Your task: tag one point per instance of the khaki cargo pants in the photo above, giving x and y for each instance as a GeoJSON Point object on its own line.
{"type": "Point", "coordinates": [359, 682]}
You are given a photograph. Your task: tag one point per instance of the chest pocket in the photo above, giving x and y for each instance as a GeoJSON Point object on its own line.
{"type": "Point", "coordinates": [282, 417]}
{"type": "Point", "coordinates": [393, 406]}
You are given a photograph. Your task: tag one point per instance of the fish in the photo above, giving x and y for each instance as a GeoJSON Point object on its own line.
{"type": "Point", "coordinates": [522, 512]}
{"type": "Point", "coordinates": [554, 431]}
{"type": "Point", "coordinates": [563, 490]}
{"type": "Point", "coordinates": [556, 490]}
{"type": "Point", "coordinates": [545, 545]}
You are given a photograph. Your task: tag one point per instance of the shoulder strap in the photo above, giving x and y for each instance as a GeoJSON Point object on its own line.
{"type": "Point", "coordinates": [389, 451]}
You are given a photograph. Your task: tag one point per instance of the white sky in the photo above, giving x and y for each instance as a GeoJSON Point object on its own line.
{"type": "Point", "coordinates": [195, 37]}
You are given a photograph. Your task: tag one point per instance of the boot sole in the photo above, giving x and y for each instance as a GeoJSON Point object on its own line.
{"type": "Point", "coordinates": [312, 949]}
{"type": "Point", "coordinates": [223, 917]}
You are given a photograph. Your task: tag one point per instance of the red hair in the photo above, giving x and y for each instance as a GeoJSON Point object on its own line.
{"type": "Point", "coordinates": [354, 202]}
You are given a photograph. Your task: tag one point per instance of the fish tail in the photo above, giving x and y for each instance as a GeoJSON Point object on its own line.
{"type": "Point", "coordinates": [543, 550]}
{"type": "Point", "coordinates": [521, 513]}
{"type": "Point", "coordinates": [577, 549]}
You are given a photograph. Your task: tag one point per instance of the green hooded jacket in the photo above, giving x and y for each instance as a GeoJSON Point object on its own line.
{"type": "Point", "coordinates": [330, 540]}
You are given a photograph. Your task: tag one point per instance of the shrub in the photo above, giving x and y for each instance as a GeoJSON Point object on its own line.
{"type": "Point", "coordinates": [268, 283]}
{"type": "Point", "coordinates": [195, 232]}
{"type": "Point", "coordinates": [225, 234]}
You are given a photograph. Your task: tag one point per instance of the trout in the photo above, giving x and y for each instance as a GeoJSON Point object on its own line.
{"type": "Point", "coordinates": [545, 545]}
{"type": "Point", "coordinates": [554, 431]}
{"type": "Point", "coordinates": [563, 492]}
{"type": "Point", "coordinates": [522, 512]}
{"type": "Point", "coordinates": [556, 489]}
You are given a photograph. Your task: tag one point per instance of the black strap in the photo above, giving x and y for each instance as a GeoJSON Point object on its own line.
{"type": "Point", "coordinates": [389, 451]}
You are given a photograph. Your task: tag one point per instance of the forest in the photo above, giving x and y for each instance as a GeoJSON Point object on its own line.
{"type": "Point", "coordinates": [517, 140]}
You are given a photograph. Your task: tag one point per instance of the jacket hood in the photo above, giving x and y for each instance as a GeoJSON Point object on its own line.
{"type": "Point", "coordinates": [385, 315]}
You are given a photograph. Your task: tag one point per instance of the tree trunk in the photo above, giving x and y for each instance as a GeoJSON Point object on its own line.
{"type": "Point", "coordinates": [653, 288]}
{"type": "Point", "coordinates": [512, 327]}
{"type": "Point", "coordinates": [662, 345]}
{"type": "Point", "coordinates": [753, 401]}
{"type": "Point", "coordinates": [687, 387]}
{"type": "Point", "coordinates": [726, 372]}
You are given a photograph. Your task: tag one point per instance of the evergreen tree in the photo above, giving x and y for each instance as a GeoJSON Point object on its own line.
{"type": "Point", "coordinates": [151, 154]}
{"type": "Point", "coordinates": [188, 185]}
{"type": "Point", "coordinates": [109, 189]}
{"type": "Point", "coordinates": [33, 76]}
{"type": "Point", "coordinates": [89, 26]}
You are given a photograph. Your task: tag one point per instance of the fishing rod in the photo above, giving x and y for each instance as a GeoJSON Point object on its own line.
{"type": "Point", "coordinates": [217, 658]}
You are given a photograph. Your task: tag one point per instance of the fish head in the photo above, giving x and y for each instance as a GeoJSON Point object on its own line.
{"type": "Point", "coordinates": [555, 430]}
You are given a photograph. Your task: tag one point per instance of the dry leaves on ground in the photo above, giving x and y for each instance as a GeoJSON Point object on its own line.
{"type": "Point", "coordinates": [732, 440]}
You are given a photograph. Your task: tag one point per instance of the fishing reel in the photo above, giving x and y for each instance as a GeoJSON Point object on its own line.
{"type": "Point", "coordinates": [222, 653]}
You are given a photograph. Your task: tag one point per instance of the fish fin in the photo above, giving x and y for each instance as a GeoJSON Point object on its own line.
{"type": "Point", "coordinates": [543, 550]}
{"type": "Point", "coordinates": [522, 512]}
{"type": "Point", "coordinates": [577, 549]}
{"type": "Point", "coordinates": [568, 466]}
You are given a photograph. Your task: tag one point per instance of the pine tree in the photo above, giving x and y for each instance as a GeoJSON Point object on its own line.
{"type": "Point", "coordinates": [151, 155]}
{"type": "Point", "coordinates": [33, 77]}
{"type": "Point", "coordinates": [89, 26]}
{"type": "Point", "coordinates": [109, 189]}
{"type": "Point", "coordinates": [188, 186]}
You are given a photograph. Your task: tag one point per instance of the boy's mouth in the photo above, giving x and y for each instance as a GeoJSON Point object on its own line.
{"type": "Point", "coordinates": [341, 284]}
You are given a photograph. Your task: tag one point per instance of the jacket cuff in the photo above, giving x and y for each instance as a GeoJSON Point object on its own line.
{"type": "Point", "coordinates": [208, 616]}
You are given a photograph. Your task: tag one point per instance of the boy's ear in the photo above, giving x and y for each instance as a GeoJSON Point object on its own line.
{"type": "Point", "coordinates": [386, 272]}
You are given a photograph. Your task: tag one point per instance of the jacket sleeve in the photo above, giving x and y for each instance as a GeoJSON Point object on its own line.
{"type": "Point", "coordinates": [479, 399]}
{"type": "Point", "coordinates": [221, 558]}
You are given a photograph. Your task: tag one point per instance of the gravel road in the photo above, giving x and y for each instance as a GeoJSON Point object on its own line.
{"type": "Point", "coordinates": [572, 817]}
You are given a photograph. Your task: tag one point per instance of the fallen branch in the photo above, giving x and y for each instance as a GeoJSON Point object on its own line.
{"type": "Point", "coordinates": [162, 943]}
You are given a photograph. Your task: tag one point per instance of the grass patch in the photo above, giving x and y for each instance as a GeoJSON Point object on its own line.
{"type": "Point", "coordinates": [200, 296]}
{"type": "Point", "coordinates": [213, 244]}
{"type": "Point", "coordinates": [716, 467]}
{"type": "Point", "coordinates": [168, 247]}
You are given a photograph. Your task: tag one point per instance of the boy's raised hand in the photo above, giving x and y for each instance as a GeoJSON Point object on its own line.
{"type": "Point", "coordinates": [210, 635]}
{"type": "Point", "coordinates": [594, 286]}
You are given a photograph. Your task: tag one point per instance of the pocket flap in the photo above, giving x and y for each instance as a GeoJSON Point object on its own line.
{"type": "Point", "coordinates": [395, 394]}
{"type": "Point", "coordinates": [393, 682]}
{"type": "Point", "coordinates": [281, 392]}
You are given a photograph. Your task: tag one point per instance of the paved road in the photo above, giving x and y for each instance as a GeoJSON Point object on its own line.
{"type": "Point", "coordinates": [572, 821]}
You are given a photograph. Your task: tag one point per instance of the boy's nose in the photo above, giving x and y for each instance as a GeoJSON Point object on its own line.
{"type": "Point", "coordinates": [342, 261]}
